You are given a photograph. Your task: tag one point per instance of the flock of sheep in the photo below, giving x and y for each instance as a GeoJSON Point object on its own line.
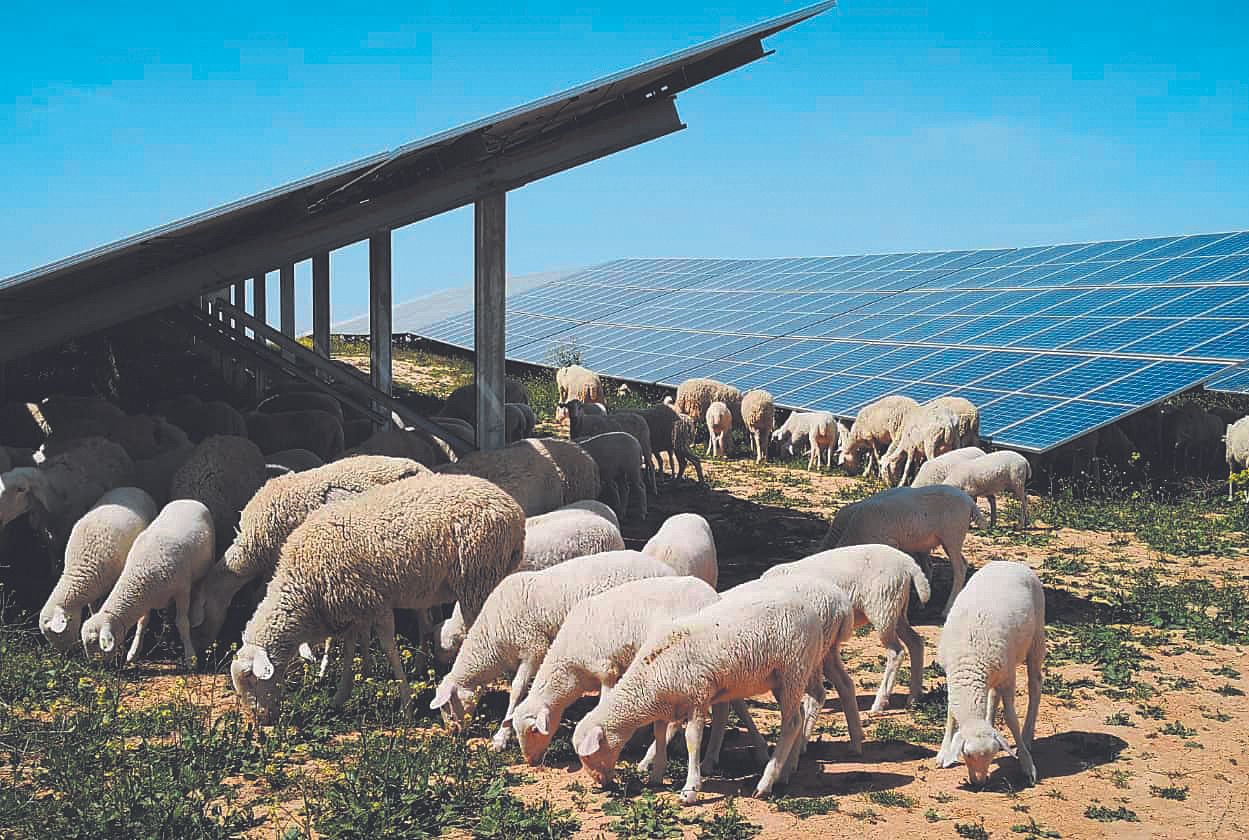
{"type": "Point", "coordinates": [199, 507]}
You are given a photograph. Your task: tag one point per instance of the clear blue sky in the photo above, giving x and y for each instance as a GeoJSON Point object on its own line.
{"type": "Point", "coordinates": [879, 126]}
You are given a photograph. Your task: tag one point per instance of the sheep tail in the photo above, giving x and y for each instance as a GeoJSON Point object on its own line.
{"type": "Point", "coordinates": [922, 587]}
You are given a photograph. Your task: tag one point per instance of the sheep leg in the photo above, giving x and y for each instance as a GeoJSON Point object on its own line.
{"type": "Point", "coordinates": [182, 618]}
{"type": "Point", "coordinates": [636, 488]}
{"type": "Point", "coordinates": [719, 722]}
{"type": "Point", "coordinates": [915, 652]}
{"type": "Point", "coordinates": [992, 512]}
{"type": "Point", "coordinates": [1036, 657]}
{"type": "Point", "coordinates": [945, 755]}
{"type": "Point", "coordinates": [346, 668]}
{"type": "Point", "coordinates": [757, 742]}
{"type": "Point", "coordinates": [812, 705]}
{"type": "Point", "coordinates": [836, 672]}
{"type": "Point", "coordinates": [789, 698]}
{"type": "Point", "coordinates": [1022, 496]}
{"type": "Point", "coordinates": [385, 628]}
{"type": "Point", "coordinates": [520, 684]}
{"type": "Point", "coordinates": [652, 752]}
{"type": "Point", "coordinates": [893, 661]}
{"type": "Point", "coordinates": [139, 629]}
{"type": "Point", "coordinates": [1012, 723]}
{"type": "Point", "coordinates": [958, 564]}
{"type": "Point", "coordinates": [991, 711]}
{"type": "Point", "coordinates": [694, 746]}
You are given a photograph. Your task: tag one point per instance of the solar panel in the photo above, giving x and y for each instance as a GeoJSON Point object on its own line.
{"type": "Point", "coordinates": [1050, 341]}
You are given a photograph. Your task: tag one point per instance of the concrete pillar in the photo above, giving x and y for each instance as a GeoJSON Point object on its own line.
{"type": "Point", "coordinates": [321, 303]}
{"type": "Point", "coordinates": [379, 311]}
{"type": "Point", "coordinates": [489, 316]}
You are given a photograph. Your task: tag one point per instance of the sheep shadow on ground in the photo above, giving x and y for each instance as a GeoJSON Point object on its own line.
{"type": "Point", "coordinates": [1056, 756]}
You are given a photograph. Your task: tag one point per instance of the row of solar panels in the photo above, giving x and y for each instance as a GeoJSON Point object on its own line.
{"type": "Point", "coordinates": [1051, 342]}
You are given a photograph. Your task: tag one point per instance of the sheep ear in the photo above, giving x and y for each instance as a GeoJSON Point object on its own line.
{"type": "Point", "coordinates": [443, 696]}
{"type": "Point", "coordinates": [1007, 748]}
{"type": "Point", "coordinates": [592, 742]}
{"type": "Point", "coordinates": [542, 723]}
{"type": "Point", "coordinates": [262, 667]}
{"type": "Point", "coordinates": [956, 745]}
{"type": "Point", "coordinates": [59, 620]}
{"type": "Point", "coordinates": [305, 652]}
{"type": "Point", "coordinates": [107, 641]}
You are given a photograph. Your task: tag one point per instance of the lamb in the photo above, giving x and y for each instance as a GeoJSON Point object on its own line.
{"type": "Point", "coordinates": [164, 561]}
{"type": "Point", "coordinates": [594, 647]}
{"type": "Point", "coordinates": [719, 430]}
{"type": "Point", "coordinates": [875, 427]}
{"type": "Point", "coordinates": [998, 620]}
{"type": "Point", "coordinates": [271, 516]}
{"type": "Point", "coordinates": [878, 579]}
{"type": "Point", "coordinates": [94, 558]}
{"type": "Point", "coordinates": [519, 421]}
{"type": "Point", "coordinates": [582, 425]}
{"type": "Point", "coordinates": [619, 459]}
{"type": "Point", "coordinates": [915, 520]}
{"type": "Point", "coordinates": [1237, 452]}
{"type": "Point", "coordinates": [412, 543]}
{"type": "Point", "coordinates": [818, 429]}
{"type": "Point", "coordinates": [301, 401]}
{"type": "Point", "coordinates": [759, 415]}
{"type": "Point", "coordinates": [579, 383]}
{"type": "Point", "coordinates": [520, 619]}
{"type": "Point", "coordinates": [767, 635]}
{"type": "Point", "coordinates": [223, 472]}
{"type": "Point", "coordinates": [927, 431]}
{"type": "Point", "coordinates": [316, 431]}
{"type": "Point", "coordinates": [585, 527]}
{"type": "Point", "coordinates": [671, 432]}
{"type": "Point", "coordinates": [686, 545]}
{"type": "Point", "coordinates": [934, 471]}
{"type": "Point", "coordinates": [542, 474]}
{"type": "Point", "coordinates": [463, 400]}
{"type": "Point", "coordinates": [58, 491]}
{"type": "Point", "coordinates": [968, 418]}
{"type": "Point", "coordinates": [695, 396]}
{"type": "Point", "coordinates": [999, 472]}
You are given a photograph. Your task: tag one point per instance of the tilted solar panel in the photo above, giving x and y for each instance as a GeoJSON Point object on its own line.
{"type": "Point", "coordinates": [1051, 342]}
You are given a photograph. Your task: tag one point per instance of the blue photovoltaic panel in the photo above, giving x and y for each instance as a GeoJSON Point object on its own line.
{"type": "Point", "coordinates": [1050, 341]}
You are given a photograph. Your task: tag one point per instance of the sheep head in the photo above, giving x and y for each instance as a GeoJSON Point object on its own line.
{"type": "Point", "coordinates": [59, 627]}
{"type": "Point", "coordinates": [598, 747]}
{"type": "Point", "coordinates": [22, 490]}
{"type": "Point", "coordinates": [101, 636]}
{"type": "Point", "coordinates": [532, 723]}
{"type": "Point", "coordinates": [258, 682]}
{"type": "Point", "coordinates": [977, 744]}
{"type": "Point", "coordinates": [452, 698]}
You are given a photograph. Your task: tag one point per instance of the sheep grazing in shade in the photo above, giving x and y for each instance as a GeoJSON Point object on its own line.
{"type": "Point", "coordinates": [164, 561]}
{"type": "Point", "coordinates": [410, 544]}
{"type": "Point", "coordinates": [759, 415]}
{"type": "Point", "coordinates": [582, 425]}
{"type": "Point", "coordinates": [719, 430]}
{"type": "Point", "coordinates": [934, 471]}
{"type": "Point", "coordinates": [223, 472]}
{"type": "Point", "coordinates": [873, 430]}
{"type": "Point", "coordinates": [997, 622]}
{"type": "Point", "coordinates": [94, 558]}
{"type": "Point", "coordinates": [619, 459]}
{"type": "Point", "coordinates": [541, 474]}
{"type": "Point", "coordinates": [579, 383]}
{"type": "Point", "coordinates": [878, 579]}
{"type": "Point", "coordinates": [316, 431]}
{"type": "Point", "coordinates": [673, 433]}
{"type": "Point", "coordinates": [1237, 451]}
{"type": "Point", "coordinates": [927, 431]}
{"type": "Point", "coordinates": [686, 545]}
{"type": "Point", "coordinates": [695, 396]}
{"type": "Point", "coordinates": [968, 418]}
{"type": "Point", "coordinates": [141, 436]}
{"type": "Point", "coordinates": [817, 429]}
{"type": "Point", "coordinates": [989, 475]}
{"type": "Point", "coordinates": [520, 620]}
{"type": "Point", "coordinates": [772, 635]}
{"type": "Point", "coordinates": [463, 400]}
{"type": "Point", "coordinates": [914, 520]}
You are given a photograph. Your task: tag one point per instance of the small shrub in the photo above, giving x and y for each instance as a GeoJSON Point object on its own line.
{"type": "Point", "coordinates": [1032, 828]}
{"type": "Point", "coordinates": [728, 825]}
{"type": "Point", "coordinates": [971, 831]}
{"type": "Point", "coordinates": [1178, 729]}
{"type": "Point", "coordinates": [646, 816]}
{"type": "Point", "coordinates": [807, 806]}
{"type": "Point", "coordinates": [1120, 718]}
{"type": "Point", "coordinates": [890, 799]}
{"type": "Point", "coordinates": [1101, 813]}
{"type": "Point", "coordinates": [1176, 794]}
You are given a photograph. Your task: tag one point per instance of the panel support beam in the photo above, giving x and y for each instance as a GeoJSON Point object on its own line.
{"type": "Point", "coordinates": [321, 304]}
{"type": "Point", "coordinates": [489, 317]}
{"type": "Point", "coordinates": [379, 311]}
{"type": "Point", "coordinates": [260, 305]}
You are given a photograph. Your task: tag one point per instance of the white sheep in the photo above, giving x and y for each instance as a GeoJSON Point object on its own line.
{"type": "Point", "coordinates": [619, 459]}
{"type": "Point", "coordinates": [164, 561]}
{"type": "Point", "coordinates": [520, 619]}
{"type": "Point", "coordinates": [914, 520]}
{"type": "Point", "coordinates": [1000, 472]}
{"type": "Point", "coordinates": [997, 622]}
{"type": "Point", "coordinates": [759, 416]}
{"type": "Point", "coordinates": [409, 544]}
{"type": "Point", "coordinates": [596, 645]}
{"type": "Point", "coordinates": [578, 383]}
{"type": "Point", "coordinates": [934, 471]}
{"type": "Point", "coordinates": [585, 527]}
{"type": "Point", "coordinates": [685, 543]}
{"type": "Point", "coordinates": [968, 418]}
{"type": "Point", "coordinates": [542, 474]}
{"type": "Point", "coordinates": [582, 425]}
{"type": "Point", "coordinates": [772, 635]}
{"type": "Point", "coordinates": [719, 430]}
{"type": "Point", "coordinates": [874, 428]}
{"type": "Point", "coordinates": [878, 579]}
{"type": "Point", "coordinates": [695, 396]}
{"type": "Point", "coordinates": [1237, 452]}
{"type": "Point", "coordinates": [927, 431]}
{"type": "Point", "coordinates": [94, 558]}
{"type": "Point", "coordinates": [817, 429]}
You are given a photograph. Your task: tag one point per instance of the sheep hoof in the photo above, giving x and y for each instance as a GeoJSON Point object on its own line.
{"type": "Point", "coordinates": [499, 742]}
{"type": "Point", "coordinates": [945, 762]}
{"type": "Point", "coordinates": [763, 792]}
{"type": "Point", "coordinates": [689, 796]}
{"type": "Point", "coordinates": [878, 706]}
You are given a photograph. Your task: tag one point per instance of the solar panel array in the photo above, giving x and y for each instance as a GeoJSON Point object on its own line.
{"type": "Point", "coordinates": [1050, 342]}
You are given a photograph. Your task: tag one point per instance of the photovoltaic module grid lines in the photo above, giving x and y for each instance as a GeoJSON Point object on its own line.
{"type": "Point", "coordinates": [1050, 342]}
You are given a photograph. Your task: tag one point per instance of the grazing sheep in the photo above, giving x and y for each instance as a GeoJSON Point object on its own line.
{"type": "Point", "coordinates": [301, 401]}
{"type": "Point", "coordinates": [927, 431]}
{"type": "Point", "coordinates": [59, 490]}
{"type": "Point", "coordinates": [542, 474]}
{"type": "Point", "coordinates": [695, 396]}
{"type": "Point", "coordinates": [1115, 447]}
{"type": "Point", "coordinates": [519, 421]}
{"type": "Point", "coordinates": [768, 635]}
{"type": "Point", "coordinates": [294, 460]}
{"type": "Point", "coordinates": [463, 400]}
{"type": "Point", "coordinates": [1237, 452]}
{"type": "Point", "coordinates": [223, 472]}
{"type": "Point", "coordinates": [316, 431]}
{"type": "Point", "coordinates": [582, 425]}
{"type": "Point", "coordinates": [154, 475]}
{"type": "Point", "coordinates": [759, 415]}
{"type": "Point", "coordinates": [996, 622]}
{"type": "Point", "coordinates": [818, 429]}
{"type": "Point", "coordinates": [988, 475]}
{"type": "Point", "coordinates": [968, 418]}
{"type": "Point", "coordinates": [683, 430]}
{"type": "Point", "coordinates": [579, 383]}
{"type": "Point", "coordinates": [520, 619]}
{"type": "Point", "coordinates": [596, 645]}
{"type": "Point", "coordinates": [271, 515]}
{"type": "Point", "coordinates": [915, 520]}
{"type": "Point", "coordinates": [719, 430]}
{"type": "Point", "coordinates": [411, 544]}
{"type": "Point", "coordinates": [934, 471]}
{"type": "Point", "coordinates": [878, 579]}
{"type": "Point", "coordinates": [875, 427]}
{"type": "Point", "coordinates": [685, 543]}
{"type": "Point", "coordinates": [619, 459]}
{"type": "Point", "coordinates": [163, 563]}
{"type": "Point", "coordinates": [585, 527]}
{"type": "Point", "coordinates": [94, 558]}
{"type": "Point", "coordinates": [401, 443]}
{"type": "Point", "coordinates": [671, 432]}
